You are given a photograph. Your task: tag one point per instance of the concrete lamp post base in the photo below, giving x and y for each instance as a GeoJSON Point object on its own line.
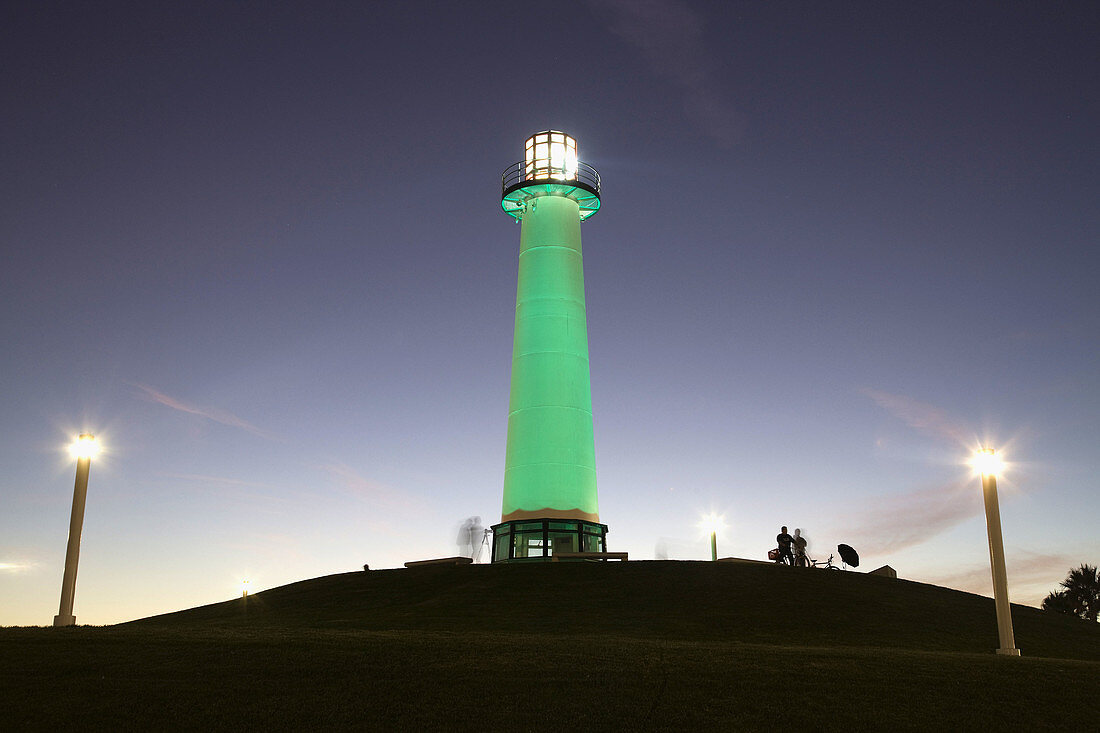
{"type": "Point", "coordinates": [64, 620]}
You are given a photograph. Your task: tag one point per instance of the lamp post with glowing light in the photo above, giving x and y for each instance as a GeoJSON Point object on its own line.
{"type": "Point", "coordinates": [83, 449]}
{"type": "Point", "coordinates": [712, 523]}
{"type": "Point", "coordinates": [988, 465]}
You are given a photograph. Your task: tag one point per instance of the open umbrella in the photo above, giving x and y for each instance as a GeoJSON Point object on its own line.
{"type": "Point", "coordinates": [848, 555]}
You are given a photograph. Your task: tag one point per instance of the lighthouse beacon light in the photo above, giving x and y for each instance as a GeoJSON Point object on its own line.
{"type": "Point", "coordinates": [550, 155]}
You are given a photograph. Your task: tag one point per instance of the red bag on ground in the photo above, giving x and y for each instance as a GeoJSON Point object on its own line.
{"type": "Point", "coordinates": [773, 554]}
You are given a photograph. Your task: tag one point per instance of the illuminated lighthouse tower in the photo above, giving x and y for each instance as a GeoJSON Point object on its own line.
{"type": "Point", "coordinates": [550, 468]}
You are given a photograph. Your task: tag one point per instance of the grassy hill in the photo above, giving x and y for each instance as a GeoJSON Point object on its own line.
{"type": "Point", "coordinates": [691, 601]}
{"type": "Point", "coordinates": [617, 646]}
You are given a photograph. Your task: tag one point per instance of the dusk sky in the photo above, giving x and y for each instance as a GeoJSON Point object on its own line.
{"type": "Point", "coordinates": [257, 249]}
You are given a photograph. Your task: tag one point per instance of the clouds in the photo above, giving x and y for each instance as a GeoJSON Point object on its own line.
{"type": "Point", "coordinates": [1031, 576]}
{"type": "Point", "coordinates": [17, 566]}
{"type": "Point", "coordinates": [670, 36]}
{"type": "Point", "coordinates": [213, 414]}
{"type": "Point", "coordinates": [380, 497]}
{"type": "Point", "coordinates": [926, 418]}
{"type": "Point", "coordinates": [910, 519]}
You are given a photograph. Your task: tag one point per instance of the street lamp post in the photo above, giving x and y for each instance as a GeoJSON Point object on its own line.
{"type": "Point", "coordinates": [988, 463]}
{"type": "Point", "coordinates": [712, 523]}
{"type": "Point", "coordinates": [83, 449]}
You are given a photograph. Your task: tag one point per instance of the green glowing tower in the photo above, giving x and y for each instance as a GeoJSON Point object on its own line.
{"type": "Point", "coordinates": [550, 502]}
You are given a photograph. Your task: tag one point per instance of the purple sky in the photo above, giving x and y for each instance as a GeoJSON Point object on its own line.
{"type": "Point", "coordinates": [257, 248]}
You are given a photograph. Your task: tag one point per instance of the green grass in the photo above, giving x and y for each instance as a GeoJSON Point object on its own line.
{"type": "Point", "coordinates": [650, 645]}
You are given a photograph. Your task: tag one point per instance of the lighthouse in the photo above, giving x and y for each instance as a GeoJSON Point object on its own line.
{"type": "Point", "coordinates": [550, 504]}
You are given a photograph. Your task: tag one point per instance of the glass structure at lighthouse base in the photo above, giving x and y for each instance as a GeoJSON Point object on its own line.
{"type": "Point", "coordinates": [538, 540]}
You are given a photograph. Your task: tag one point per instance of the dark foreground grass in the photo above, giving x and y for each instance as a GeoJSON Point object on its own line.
{"type": "Point", "coordinates": [637, 646]}
{"type": "Point", "coordinates": [304, 679]}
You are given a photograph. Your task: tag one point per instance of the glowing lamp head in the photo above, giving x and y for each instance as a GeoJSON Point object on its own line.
{"type": "Point", "coordinates": [84, 446]}
{"type": "Point", "coordinates": [550, 156]}
{"type": "Point", "coordinates": [712, 523]}
{"type": "Point", "coordinates": [986, 462]}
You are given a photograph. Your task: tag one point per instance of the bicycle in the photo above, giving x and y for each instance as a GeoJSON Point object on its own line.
{"type": "Point", "coordinates": [825, 564]}
{"type": "Point", "coordinates": [778, 558]}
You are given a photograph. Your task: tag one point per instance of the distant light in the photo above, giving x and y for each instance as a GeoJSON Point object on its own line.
{"type": "Point", "coordinates": [712, 523]}
{"type": "Point", "coordinates": [244, 588]}
{"type": "Point", "coordinates": [987, 462]}
{"type": "Point", "coordinates": [84, 447]}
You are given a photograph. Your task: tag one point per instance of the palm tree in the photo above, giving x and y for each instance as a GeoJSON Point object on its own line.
{"type": "Point", "coordinates": [1080, 594]}
{"type": "Point", "coordinates": [1058, 601]}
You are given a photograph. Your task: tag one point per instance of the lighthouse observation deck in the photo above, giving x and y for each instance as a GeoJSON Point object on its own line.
{"type": "Point", "coordinates": [549, 168]}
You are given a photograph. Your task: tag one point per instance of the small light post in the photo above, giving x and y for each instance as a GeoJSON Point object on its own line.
{"type": "Point", "coordinates": [988, 464]}
{"type": "Point", "coordinates": [712, 523]}
{"type": "Point", "coordinates": [83, 449]}
{"type": "Point", "coordinates": [244, 588]}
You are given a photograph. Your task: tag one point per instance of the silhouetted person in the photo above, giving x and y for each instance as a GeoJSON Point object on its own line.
{"type": "Point", "coordinates": [470, 537]}
{"type": "Point", "coordinates": [785, 541]}
{"type": "Point", "coordinates": [477, 537]}
{"type": "Point", "coordinates": [465, 546]}
{"type": "Point", "coordinates": [800, 558]}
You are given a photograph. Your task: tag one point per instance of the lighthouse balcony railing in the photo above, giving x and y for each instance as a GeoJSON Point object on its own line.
{"type": "Point", "coordinates": [521, 174]}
